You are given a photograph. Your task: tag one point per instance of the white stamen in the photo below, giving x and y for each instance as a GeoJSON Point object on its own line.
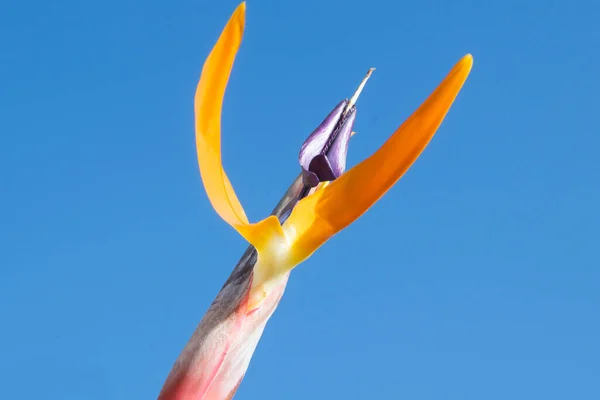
{"type": "Point", "coordinates": [358, 91]}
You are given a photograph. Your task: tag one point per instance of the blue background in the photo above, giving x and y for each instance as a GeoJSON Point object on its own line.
{"type": "Point", "coordinates": [475, 277]}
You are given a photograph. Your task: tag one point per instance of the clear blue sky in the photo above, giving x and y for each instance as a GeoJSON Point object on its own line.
{"type": "Point", "coordinates": [476, 277]}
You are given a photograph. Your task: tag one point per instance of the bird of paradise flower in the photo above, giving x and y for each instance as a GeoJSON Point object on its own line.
{"type": "Point", "coordinates": [323, 200]}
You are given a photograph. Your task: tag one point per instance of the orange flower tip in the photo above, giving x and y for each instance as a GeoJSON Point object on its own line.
{"type": "Point", "coordinates": [468, 60]}
{"type": "Point", "coordinates": [240, 11]}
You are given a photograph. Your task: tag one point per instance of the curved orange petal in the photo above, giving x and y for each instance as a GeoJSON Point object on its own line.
{"type": "Point", "coordinates": [207, 106]}
{"type": "Point", "coordinates": [321, 215]}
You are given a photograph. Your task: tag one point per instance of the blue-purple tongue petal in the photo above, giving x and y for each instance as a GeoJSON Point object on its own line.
{"type": "Point", "coordinates": [317, 140]}
{"type": "Point", "coordinates": [338, 151]}
{"type": "Point", "coordinates": [323, 154]}
{"type": "Point", "coordinates": [321, 167]}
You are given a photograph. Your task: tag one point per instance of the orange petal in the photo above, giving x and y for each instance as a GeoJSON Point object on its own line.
{"type": "Point", "coordinates": [207, 106]}
{"type": "Point", "coordinates": [321, 215]}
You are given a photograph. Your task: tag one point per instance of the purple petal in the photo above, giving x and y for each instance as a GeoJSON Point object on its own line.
{"type": "Point", "coordinates": [323, 155]}
{"type": "Point", "coordinates": [338, 151]}
{"type": "Point", "coordinates": [321, 167]}
{"type": "Point", "coordinates": [316, 142]}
